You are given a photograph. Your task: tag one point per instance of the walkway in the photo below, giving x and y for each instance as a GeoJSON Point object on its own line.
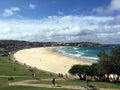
{"type": "Point", "coordinates": [29, 83]}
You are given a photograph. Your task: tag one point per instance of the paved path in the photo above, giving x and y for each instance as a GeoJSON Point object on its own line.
{"type": "Point", "coordinates": [28, 83]}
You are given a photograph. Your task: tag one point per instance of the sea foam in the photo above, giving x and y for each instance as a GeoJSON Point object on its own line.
{"type": "Point", "coordinates": [85, 53]}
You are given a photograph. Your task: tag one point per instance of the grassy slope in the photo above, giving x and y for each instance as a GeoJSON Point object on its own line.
{"type": "Point", "coordinates": [7, 68]}
{"type": "Point", "coordinates": [2, 49]}
{"type": "Point", "coordinates": [26, 88]}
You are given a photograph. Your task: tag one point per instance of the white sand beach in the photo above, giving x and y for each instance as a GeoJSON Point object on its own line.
{"type": "Point", "coordinates": [44, 58]}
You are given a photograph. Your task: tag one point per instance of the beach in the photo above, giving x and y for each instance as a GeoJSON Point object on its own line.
{"type": "Point", "coordinates": [46, 59]}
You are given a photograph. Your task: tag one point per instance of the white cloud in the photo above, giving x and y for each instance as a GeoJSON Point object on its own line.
{"type": "Point", "coordinates": [112, 7]}
{"type": "Point", "coordinates": [10, 11]}
{"type": "Point", "coordinates": [99, 10]}
{"type": "Point", "coordinates": [32, 6]}
{"type": "Point", "coordinates": [62, 28]}
{"type": "Point", "coordinates": [115, 5]}
{"type": "Point", "coordinates": [60, 12]}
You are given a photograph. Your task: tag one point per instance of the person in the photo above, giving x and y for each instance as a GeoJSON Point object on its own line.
{"type": "Point", "coordinates": [10, 78]}
{"type": "Point", "coordinates": [66, 75]}
{"type": "Point", "coordinates": [53, 82]}
{"type": "Point", "coordinates": [59, 75]}
{"type": "Point", "coordinates": [62, 75]}
{"type": "Point", "coordinates": [33, 75]}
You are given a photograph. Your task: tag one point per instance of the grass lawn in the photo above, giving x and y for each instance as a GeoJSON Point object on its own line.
{"type": "Point", "coordinates": [77, 82]}
{"type": "Point", "coordinates": [22, 72]}
{"type": "Point", "coordinates": [27, 88]}
{"type": "Point", "coordinates": [10, 68]}
{"type": "Point", "coordinates": [2, 49]}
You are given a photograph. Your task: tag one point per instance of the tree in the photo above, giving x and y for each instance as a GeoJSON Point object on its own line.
{"type": "Point", "coordinates": [110, 63]}
{"type": "Point", "coordinates": [81, 71]}
{"type": "Point", "coordinates": [75, 70]}
{"type": "Point", "coordinates": [115, 58]}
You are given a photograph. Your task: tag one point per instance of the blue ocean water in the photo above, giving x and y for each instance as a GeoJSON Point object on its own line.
{"type": "Point", "coordinates": [89, 54]}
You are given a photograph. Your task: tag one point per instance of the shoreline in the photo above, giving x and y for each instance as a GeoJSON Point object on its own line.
{"type": "Point", "coordinates": [75, 58]}
{"type": "Point", "coordinates": [47, 59]}
{"type": "Point", "coordinates": [84, 59]}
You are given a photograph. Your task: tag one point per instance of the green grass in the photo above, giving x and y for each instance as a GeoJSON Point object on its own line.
{"type": "Point", "coordinates": [10, 68]}
{"type": "Point", "coordinates": [106, 85]}
{"type": "Point", "coordinates": [28, 88]}
{"type": "Point", "coordinates": [77, 82]}
{"type": "Point", "coordinates": [1, 49]}
{"type": "Point", "coordinates": [22, 72]}
{"type": "Point", "coordinates": [73, 82]}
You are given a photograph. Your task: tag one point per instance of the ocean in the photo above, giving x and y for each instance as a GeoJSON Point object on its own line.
{"type": "Point", "coordinates": [89, 54]}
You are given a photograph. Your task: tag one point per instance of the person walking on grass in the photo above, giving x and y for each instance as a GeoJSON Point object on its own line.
{"type": "Point", "coordinates": [33, 75]}
{"type": "Point", "coordinates": [53, 82]}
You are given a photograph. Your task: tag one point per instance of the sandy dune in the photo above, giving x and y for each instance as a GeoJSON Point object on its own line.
{"type": "Point", "coordinates": [46, 59]}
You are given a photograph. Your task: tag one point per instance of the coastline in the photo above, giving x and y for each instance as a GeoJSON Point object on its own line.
{"type": "Point", "coordinates": [84, 59]}
{"type": "Point", "coordinates": [46, 59]}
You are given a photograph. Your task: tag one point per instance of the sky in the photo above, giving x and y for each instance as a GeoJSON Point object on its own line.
{"type": "Point", "coordinates": [60, 20]}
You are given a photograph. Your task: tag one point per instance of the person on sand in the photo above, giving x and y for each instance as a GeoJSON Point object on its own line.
{"type": "Point", "coordinates": [66, 75]}
{"type": "Point", "coordinates": [59, 75]}
{"type": "Point", "coordinates": [53, 82]}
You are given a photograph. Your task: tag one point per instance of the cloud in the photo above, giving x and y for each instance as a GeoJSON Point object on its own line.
{"type": "Point", "coordinates": [99, 10]}
{"type": "Point", "coordinates": [10, 11]}
{"type": "Point", "coordinates": [114, 5]}
{"type": "Point", "coordinates": [62, 28]}
{"type": "Point", "coordinates": [32, 6]}
{"type": "Point", "coordinates": [111, 8]}
{"type": "Point", "coordinates": [60, 12]}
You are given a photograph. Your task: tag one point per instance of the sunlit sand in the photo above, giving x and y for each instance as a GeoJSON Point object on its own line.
{"type": "Point", "coordinates": [46, 59]}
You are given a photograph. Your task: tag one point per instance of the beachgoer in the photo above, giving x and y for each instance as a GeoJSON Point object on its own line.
{"type": "Point", "coordinates": [62, 76]}
{"type": "Point", "coordinates": [59, 75]}
{"type": "Point", "coordinates": [33, 75]}
{"type": "Point", "coordinates": [66, 75]}
{"type": "Point", "coordinates": [53, 82]}
{"type": "Point", "coordinates": [10, 78]}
